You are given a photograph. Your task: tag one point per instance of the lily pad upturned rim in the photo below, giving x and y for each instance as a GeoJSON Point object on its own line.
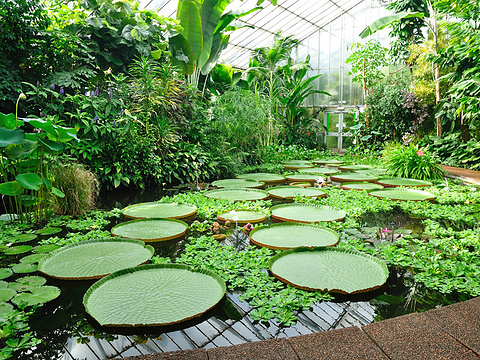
{"type": "Point", "coordinates": [367, 186]}
{"type": "Point", "coordinates": [238, 183]}
{"type": "Point", "coordinates": [348, 252]}
{"type": "Point", "coordinates": [334, 162]}
{"type": "Point", "coordinates": [395, 182]}
{"type": "Point", "coordinates": [353, 177]}
{"type": "Point", "coordinates": [354, 167]}
{"type": "Point", "coordinates": [326, 171]}
{"type": "Point", "coordinates": [267, 178]}
{"type": "Point", "coordinates": [190, 211]}
{"type": "Point", "coordinates": [396, 194]}
{"type": "Point", "coordinates": [264, 194]}
{"type": "Point", "coordinates": [290, 192]}
{"type": "Point", "coordinates": [160, 239]}
{"type": "Point", "coordinates": [290, 225]}
{"type": "Point", "coordinates": [222, 216]}
{"type": "Point", "coordinates": [311, 178]}
{"type": "Point", "coordinates": [127, 271]}
{"type": "Point", "coordinates": [342, 213]}
{"type": "Point", "coordinates": [54, 254]}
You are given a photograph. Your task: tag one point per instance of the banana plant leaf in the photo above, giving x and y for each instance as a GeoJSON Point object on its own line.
{"type": "Point", "coordinates": [361, 186]}
{"type": "Point", "coordinates": [160, 210]}
{"type": "Point", "coordinates": [385, 21]}
{"type": "Point", "coordinates": [237, 194]}
{"type": "Point", "coordinates": [403, 182]}
{"type": "Point", "coordinates": [238, 183]}
{"type": "Point", "coordinates": [94, 259]}
{"type": "Point", "coordinates": [290, 192]}
{"type": "Point", "coordinates": [151, 230]}
{"type": "Point", "coordinates": [243, 216]}
{"type": "Point", "coordinates": [292, 235]}
{"type": "Point", "coordinates": [267, 178]}
{"type": "Point", "coordinates": [355, 177]}
{"type": "Point", "coordinates": [403, 194]}
{"type": "Point", "coordinates": [319, 170]}
{"type": "Point", "coordinates": [329, 269]}
{"type": "Point", "coordinates": [153, 295]}
{"type": "Point", "coordinates": [306, 213]}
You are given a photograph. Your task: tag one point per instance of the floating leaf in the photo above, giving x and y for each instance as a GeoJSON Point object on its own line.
{"type": "Point", "coordinates": [296, 164]}
{"type": "Point", "coordinates": [243, 216]}
{"type": "Point", "coordinates": [27, 283]}
{"type": "Point", "coordinates": [403, 194]}
{"type": "Point", "coordinates": [36, 296]}
{"type": "Point", "coordinates": [361, 186]}
{"type": "Point", "coordinates": [355, 177]}
{"type": "Point", "coordinates": [23, 238]}
{"type": "Point", "coordinates": [3, 284]}
{"type": "Point", "coordinates": [32, 258]}
{"type": "Point", "coordinates": [45, 248]}
{"type": "Point", "coordinates": [159, 211]}
{"type": "Point", "coordinates": [48, 231]}
{"type": "Point", "coordinates": [94, 259]}
{"type": "Point", "coordinates": [292, 235]}
{"type": "Point", "coordinates": [238, 183]}
{"type": "Point", "coordinates": [319, 171]}
{"type": "Point", "coordinates": [329, 269]}
{"type": "Point", "coordinates": [5, 273]}
{"type": "Point", "coordinates": [290, 192]}
{"type": "Point", "coordinates": [355, 167]}
{"type": "Point", "coordinates": [5, 308]}
{"type": "Point", "coordinates": [267, 178]}
{"type": "Point", "coordinates": [329, 162]}
{"type": "Point", "coordinates": [237, 194]}
{"type": "Point", "coordinates": [151, 229]}
{"type": "Point", "coordinates": [151, 295]}
{"type": "Point", "coordinates": [306, 213]}
{"type": "Point", "coordinates": [311, 178]}
{"type": "Point", "coordinates": [6, 294]}
{"type": "Point", "coordinates": [403, 182]}
{"type": "Point", "coordinates": [18, 249]}
{"type": "Point", "coordinates": [24, 268]}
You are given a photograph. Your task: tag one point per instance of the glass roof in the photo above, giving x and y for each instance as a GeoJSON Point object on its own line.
{"type": "Point", "coordinates": [298, 18]}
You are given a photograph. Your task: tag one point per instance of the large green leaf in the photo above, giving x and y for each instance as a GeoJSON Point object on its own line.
{"type": "Point", "coordinates": [5, 273]}
{"type": "Point", "coordinates": [151, 229]}
{"type": "Point", "coordinates": [54, 132]}
{"type": "Point", "coordinates": [385, 21]}
{"type": "Point", "coordinates": [189, 16]}
{"type": "Point", "coordinates": [9, 121]}
{"type": "Point", "coordinates": [153, 295]}
{"type": "Point", "coordinates": [11, 136]}
{"type": "Point", "coordinates": [290, 192]}
{"type": "Point", "coordinates": [292, 235]}
{"type": "Point", "coordinates": [29, 181]}
{"type": "Point", "coordinates": [219, 43]}
{"type": "Point", "coordinates": [306, 213]}
{"type": "Point", "coordinates": [403, 194]}
{"type": "Point", "coordinates": [6, 294]}
{"type": "Point", "coordinates": [403, 182]}
{"type": "Point", "coordinates": [311, 178]}
{"type": "Point", "coordinates": [15, 250]}
{"type": "Point", "coordinates": [319, 171]}
{"type": "Point", "coordinates": [354, 167]}
{"type": "Point", "coordinates": [21, 150]}
{"type": "Point", "coordinates": [361, 186]}
{"type": "Point", "coordinates": [51, 145]}
{"type": "Point", "coordinates": [11, 188]}
{"type": "Point", "coordinates": [182, 56]}
{"type": "Point", "coordinates": [355, 177]}
{"type": "Point", "coordinates": [94, 259]}
{"type": "Point", "coordinates": [237, 194]}
{"type": "Point", "coordinates": [159, 211]}
{"type": "Point", "coordinates": [329, 269]}
{"type": "Point", "coordinates": [238, 183]}
{"type": "Point", "coordinates": [329, 162]}
{"type": "Point", "coordinates": [36, 296]}
{"type": "Point", "coordinates": [242, 216]}
{"type": "Point", "coordinates": [267, 178]}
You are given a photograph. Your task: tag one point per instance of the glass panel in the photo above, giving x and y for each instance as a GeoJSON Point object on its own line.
{"type": "Point", "coordinates": [332, 122]}
{"type": "Point", "coordinates": [332, 142]}
{"type": "Point", "coordinates": [347, 141]}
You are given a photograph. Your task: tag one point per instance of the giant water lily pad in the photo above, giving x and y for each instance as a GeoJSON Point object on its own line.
{"type": "Point", "coordinates": [238, 184]}
{"type": "Point", "coordinates": [354, 167]}
{"type": "Point", "coordinates": [151, 229]}
{"type": "Point", "coordinates": [153, 295]}
{"type": "Point", "coordinates": [328, 162]}
{"type": "Point", "coordinates": [160, 210]}
{"type": "Point", "coordinates": [237, 194]}
{"type": "Point", "coordinates": [94, 259]}
{"type": "Point", "coordinates": [306, 213]}
{"type": "Point", "coordinates": [374, 171]}
{"type": "Point", "coordinates": [243, 216]}
{"type": "Point", "coordinates": [267, 178]}
{"type": "Point", "coordinates": [329, 269]}
{"type": "Point", "coordinates": [292, 235]}
{"type": "Point", "coordinates": [290, 192]}
{"type": "Point", "coordinates": [403, 182]}
{"type": "Point", "coordinates": [354, 177]}
{"type": "Point", "coordinates": [403, 194]}
{"type": "Point", "coordinates": [361, 186]}
{"type": "Point", "coordinates": [311, 178]}
{"type": "Point", "coordinates": [296, 164]}
{"type": "Point", "coordinates": [325, 171]}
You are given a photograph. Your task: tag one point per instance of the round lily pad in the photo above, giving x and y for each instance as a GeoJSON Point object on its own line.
{"type": "Point", "coordinates": [238, 184]}
{"type": "Point", "coordinates": [27, 283]}
{"type": "Point", "coordinates": [151, 229]}
{"type": "Point", "coordinates": [311, 178]}
{"type": "Point", "coordinates": [160, 210]}
{"type": "Point", "coordinates": [329, 269]}
{"type": "Point", "coordinates": [325, 171]}
{"type": "Point", "coordinates": [38, 295]}
{"type": "Point", "coordinates": [23, 238]}
{"type": "Point", "coordinates": [244, 216]}
{"type": "Point", "coordinates": [24, 268]}
{"type": "Point", "coordinates": [328, 162]}
{"type": "Point", "coordinates": [267, 178]}
{"type": "Point", "coordinates": [5, 308]}
{"type": "Point", "coordinates": [48, 231]}
{"type": "Point", "coordinates": [290, 192]}
{"type": "Point", "coordinates": [6, 294]}
{"type": "Point", "coordinates": [5, 273]}
{"type": "Point", "coordinates": [403, 194]}
{"type": "Point", "coordinates": [403, 182]}
{"type": "Point", "coordinates": [292, 235]}
{"type": "Point", "coordinates": [32, 258]}
{"type": "Point", "coordinates": [361, 186]}
{"type": "Point", "coordinates": [354, 167]}
{"type": "Point", "coordinates": [374, 171]}
{"type": "Point", "coordinates": [45, 248]}
{"type": "Point", "coordinates": [15, 250]}
{"type": "Point", "coordinates": [354, 177]}
{"type": "Point", "coordinates": [306, 213]}
{"type": "Point", "coordinates": [94, 259]}
{"type": "Point", "coordinates": [153, 295]}
{"type": "Point", "coordinates": [237, 194]}
{"type": "Point", "coordinates": [296, 164]}
{"type": "Point", "coordinates": [3, 284]}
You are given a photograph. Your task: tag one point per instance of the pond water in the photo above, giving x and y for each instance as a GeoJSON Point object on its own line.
{"type": "Point", "coordinates": [67, 333]}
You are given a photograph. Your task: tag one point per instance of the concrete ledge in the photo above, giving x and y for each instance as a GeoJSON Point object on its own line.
{"type": "Point", "coordinates": [196, 354]}
{"type": "Point", "coordinates": [275, 349]}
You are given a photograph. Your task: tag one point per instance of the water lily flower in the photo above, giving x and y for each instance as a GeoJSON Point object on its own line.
{"type": "Point", "coordinates": [247, 228]}
{"type": "Point", "coordinates": [387, 230]}
{"type": "Point", "coordinates": [420, 153]}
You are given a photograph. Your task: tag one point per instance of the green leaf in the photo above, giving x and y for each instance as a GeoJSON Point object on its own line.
{"type": "Point", "coordinates": [306, 213]}
{"type": "Point", "coordinates": [29, 181]}
{"type": "Point", "coordinates": [51, 145]}
{"type": "Point", "coordinates": [182, 56]}
{"type": "Point", "coordinates": [6, 294]}
{"type": "Point", "coordinates": [11, 188]}
{"type": "Point", "coordinates": [11, 136]}
{"type": "Point", "coordinates": [151, 229]}
{"type": "Point", "coordinates": [5, 273]}
{"type": "Point", "coordinates": [39, 295]}
{"type": "Point", "coordinates": [24, 268]}
{"type": "Point", "coordinates": [191, 23]}
{"type": "Point", "coordinates": [385, 21]}
{"type": "Point", "coordinates": [159, 211]}
{"type": "Point", "coordinates": [57, 192]}
{"type": "Point", "coordinates": [21, 150]}
{"type": "Point", "coordinates": [9, 121]}
{"type": "Point", "coordinates": [18, 250]}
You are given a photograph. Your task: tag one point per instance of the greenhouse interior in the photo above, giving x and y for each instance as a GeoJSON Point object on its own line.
{"type": "Point", "coordinates": [227, 179]}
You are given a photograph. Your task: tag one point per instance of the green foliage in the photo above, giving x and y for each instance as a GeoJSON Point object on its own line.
{"type": "Point", "coordinates": [413, 163]}
{"type": "Point", "coordinates": [15, 333]}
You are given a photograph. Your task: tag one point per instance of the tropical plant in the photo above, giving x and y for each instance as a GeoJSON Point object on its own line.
{"type": "Point", "coordinates": [412, 162]}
